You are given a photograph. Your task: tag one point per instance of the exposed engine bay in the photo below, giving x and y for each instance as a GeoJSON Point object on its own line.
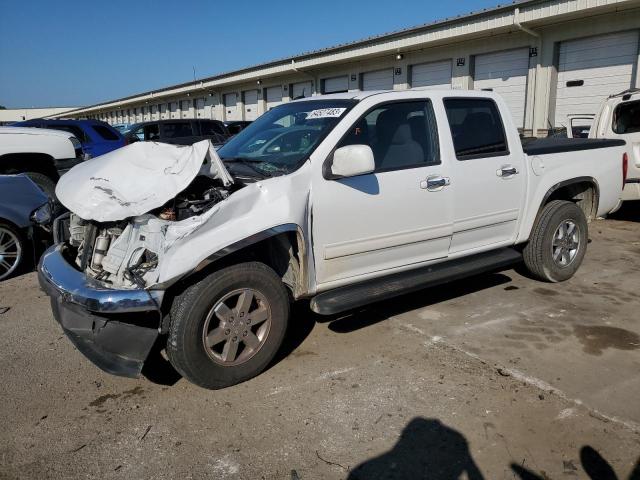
{"type": "Point", "coordinates": [126, 252]}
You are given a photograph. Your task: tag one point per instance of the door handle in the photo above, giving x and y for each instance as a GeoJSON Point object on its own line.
{"type": "Point", "coordinates": [507, 171]}
{"type": "Point", "coordinates": [435, 183]}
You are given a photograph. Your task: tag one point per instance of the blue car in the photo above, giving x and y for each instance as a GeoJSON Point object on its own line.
{"type": "Point", "coordinates": [96, 137]}
{"type": "Point", "coordinates": [25, 223]}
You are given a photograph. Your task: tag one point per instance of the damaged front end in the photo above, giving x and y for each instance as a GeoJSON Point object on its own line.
{"type": "Point", "coordinates": [127, 210]}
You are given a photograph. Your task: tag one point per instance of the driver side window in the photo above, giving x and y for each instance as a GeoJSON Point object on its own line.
{"type": "Point", "coordinates": [401, 135]}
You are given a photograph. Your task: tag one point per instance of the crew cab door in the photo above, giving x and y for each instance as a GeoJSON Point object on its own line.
{"type": "Point", "coordinates": [396, 217]}
{"type": "Point", "coordinates": [488, 174]}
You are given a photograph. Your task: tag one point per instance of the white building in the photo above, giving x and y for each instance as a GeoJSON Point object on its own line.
{"type": "Point", "coordinates": [548, 58]}
{"type": "Point", "coordinates": [11, 115]}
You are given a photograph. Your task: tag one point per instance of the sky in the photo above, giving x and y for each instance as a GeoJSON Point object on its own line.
{"type": "Point", "coordinates": [67, 53]}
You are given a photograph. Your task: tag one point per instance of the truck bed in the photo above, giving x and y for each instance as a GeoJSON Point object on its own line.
{"type": "Point", "coordinates": [545, 146]}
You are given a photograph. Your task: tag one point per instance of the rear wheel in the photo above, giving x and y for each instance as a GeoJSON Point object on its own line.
{"type": "Point", "coordinates": [227, 328]}
{"type": "Point", "coordinates": [12, 250]}
{"type": "Point", "coordinates": [558, 242]}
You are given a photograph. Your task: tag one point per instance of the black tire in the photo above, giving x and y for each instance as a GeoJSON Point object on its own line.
{"type": "Point", "coordinates": [539, 252]}
{"type": "Point", "coordinates": [46, 184]}
{"type": "Point", "coordinates": [188, 319]}
{"type": "Point", "coordinates": [9, 232]}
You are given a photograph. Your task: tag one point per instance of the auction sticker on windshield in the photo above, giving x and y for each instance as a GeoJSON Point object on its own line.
{"type": "Point", "coordinates": [325, 113]}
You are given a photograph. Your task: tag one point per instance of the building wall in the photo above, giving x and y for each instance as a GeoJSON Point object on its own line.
{"type": "Point", "coordinates": [547, 24]}
{"type": "Point", "coordinates": [11, 115]}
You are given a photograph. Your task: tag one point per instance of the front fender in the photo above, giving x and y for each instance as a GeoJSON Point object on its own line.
{"type": "Point", "coordinates": [254, 213]}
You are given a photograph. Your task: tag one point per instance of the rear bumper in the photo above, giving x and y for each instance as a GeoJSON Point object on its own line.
{"type": "Point", "coordinates": [631, 189]}
{"type": "Point", "coordinates": [115, 329]}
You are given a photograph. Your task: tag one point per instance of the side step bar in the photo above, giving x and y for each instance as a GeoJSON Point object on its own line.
{"type": "Point", "coordinates": [364, 293]}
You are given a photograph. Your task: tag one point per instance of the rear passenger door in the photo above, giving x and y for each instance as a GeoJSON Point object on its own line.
{"type": "Point", "coordinates": [487, 176]}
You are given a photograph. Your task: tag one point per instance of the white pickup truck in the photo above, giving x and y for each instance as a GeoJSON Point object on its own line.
{"type": "Point", "coordinates": [619, 118]}
{"type": "Point", "coordinates": [343, 200]}
{"type": "Point", "coordinates": [43, 155]}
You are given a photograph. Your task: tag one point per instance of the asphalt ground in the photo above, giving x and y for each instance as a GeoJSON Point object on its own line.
{"type": "Point", "coordinates": [495, 377]}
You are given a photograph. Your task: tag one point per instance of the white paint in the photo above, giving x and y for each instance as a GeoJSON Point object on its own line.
{"type": "Point", "coordinates": [55, 143]}
{"type": "Point", "coordinates": [108, 188]}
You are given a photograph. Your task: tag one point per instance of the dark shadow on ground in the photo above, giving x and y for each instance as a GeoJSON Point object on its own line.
{"type": "Point", "coordinates": [157, 369]}
{"type": "Point", "coordinates": [426, 449]}
{"type": "Point", "coordinates": [378, 312]}
{"type": "Point", "coordinates": [594, 464]}
{"type": "Point", "coordinates": [629, 212]}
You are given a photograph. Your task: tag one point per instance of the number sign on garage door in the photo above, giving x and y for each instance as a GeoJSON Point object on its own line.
{"type": "Point", "coordinates": [300, 90]}
{"type": "Point", "coordinates": [231, 107]}
{"type": "Point", "coordinates": [505, 73]}
{"type": "Point", "coordinates": [274, 96]}
{"type": "Point", "coordinates": [250, 104]}
{"type": "Point", "coordinates": [431, 75]}
{"type": "Point", "coordinates": [378, 80]}
{"type": "Point", "coordinates": [336, 84]}
{"type": "Point", "coordinates": [591, 69]}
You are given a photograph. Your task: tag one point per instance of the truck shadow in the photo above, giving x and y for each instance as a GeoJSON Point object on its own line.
{"type": "Point", "coordinates": [629, 212]}
{"type": "Point", "coordinates": [379, 312]}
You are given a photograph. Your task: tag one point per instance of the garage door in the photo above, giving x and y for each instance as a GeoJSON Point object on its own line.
{"type": "Point", "coordinates": [505, 73]}
{"type": "Point", "coordinates": [378, 80]}
{"type": "Point", "coordinates": [250, 104]}
{"type": "Point", "coordinates": [274, 96]}
{"type": "Point", "coordinates": [231, 107]}
{"type": "Point", "coordinates": [591, 69]}
{"type": "Point", "coordinates": [173, 108]}
{"type": "Point", "coordinates": [301, 90]}
{"type": "Point", "coordinates": [200, 108]}
{"type": "Point", "coordinates": [432, 75]}
{"type": "Point", "coordinates": [336, 84]}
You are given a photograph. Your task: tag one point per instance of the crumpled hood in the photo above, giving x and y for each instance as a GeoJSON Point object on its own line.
{"type": "Point", "coordinates": [135, 179]}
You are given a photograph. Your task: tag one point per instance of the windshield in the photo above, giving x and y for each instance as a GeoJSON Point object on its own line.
{"type": "Point", "coordinates": [279, 141]}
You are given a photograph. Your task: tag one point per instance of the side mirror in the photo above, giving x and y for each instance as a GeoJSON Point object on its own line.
{"type": "Point", "coordinates": [352, 160]}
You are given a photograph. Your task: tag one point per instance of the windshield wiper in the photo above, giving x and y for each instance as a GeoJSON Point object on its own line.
{"type": "Point", "coordinates": [248, 163]}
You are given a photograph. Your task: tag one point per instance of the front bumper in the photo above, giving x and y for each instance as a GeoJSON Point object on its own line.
{"type": "Point", "coordinates": [115, 329]}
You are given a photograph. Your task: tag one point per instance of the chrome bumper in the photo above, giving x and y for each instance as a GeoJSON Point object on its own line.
{"type": "Point", "coordinates": [54, 272]}
{"type": "Point", "coordinates": [115, 329]}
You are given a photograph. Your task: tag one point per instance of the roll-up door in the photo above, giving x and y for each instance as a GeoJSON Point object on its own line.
{"type": "Point", "coordinates": [432, 75]}
{"type": "Point", "coordinates": [250, 104]}
{"type": "Point", "coordinates": [505, 73]}
{"type": "Point", "coordinates": [378, 80]}
{"type": "Point", "coordinates": [591, 69]}
{"type": "Point", "coordinates": [274, 96]}
{"type": "Point", "coordinates": [336, 84]}
{"type": "Point", "coordinates": [231, 107]}
{"type": "Point", "coordinates": [300, 90]}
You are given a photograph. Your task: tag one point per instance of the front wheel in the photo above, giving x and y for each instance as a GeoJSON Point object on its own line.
{"type": "Point", "coordinates": [227, 327]}
{"type": "Point", "coordinates": [558, 242]}
{"type": "Point", "coordinates": [13, 249]}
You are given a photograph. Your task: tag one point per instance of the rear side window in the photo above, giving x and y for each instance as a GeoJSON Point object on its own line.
{"type": "Point", "coordinates": [211, 128]}
{"type": "Point", "coordinates": [177, 129]}
{"type": "Point", "coordinates": [105, 133]}
{"type": "Point", "coordinates": [74, 130]}
{"type": "Point", "coordinates": [476, 128]}
{"type": "Point", "coordinates": [626, 118]}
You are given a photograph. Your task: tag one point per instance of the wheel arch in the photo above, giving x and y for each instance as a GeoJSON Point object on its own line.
{"type": "Point", "coordinates": [583, 191]}
{"type": "Point", "coordinates": [29, 162]}
{"type": "Point", "coordinates": [283, 248]}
